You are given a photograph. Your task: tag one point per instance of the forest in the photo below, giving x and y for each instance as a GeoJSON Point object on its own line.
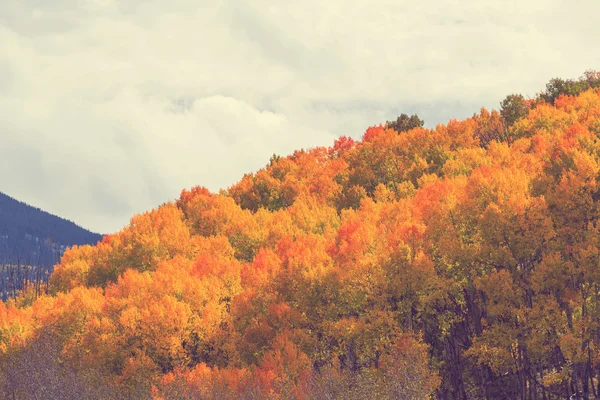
{"type": "Point", "coordinates": [460, 262]}
{"type": "Point", "coordinates": [31, 243]}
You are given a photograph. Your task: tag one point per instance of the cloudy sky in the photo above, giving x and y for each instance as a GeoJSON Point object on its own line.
{"type": "Point", "coordinates": [110, 107]}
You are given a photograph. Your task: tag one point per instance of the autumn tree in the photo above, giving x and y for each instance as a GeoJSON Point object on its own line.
{"type": "Point", "coordinates": [459, 262]}
{"type": "Point", "coordinates": [513, 108]}
{"type": "Point", "coordinates": [405, 123]}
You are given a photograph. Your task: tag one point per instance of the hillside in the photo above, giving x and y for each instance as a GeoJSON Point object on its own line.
{"type": "Point", "coordinates": [461, 262]}
{"type": "Point", "coordinates": [34, 238]}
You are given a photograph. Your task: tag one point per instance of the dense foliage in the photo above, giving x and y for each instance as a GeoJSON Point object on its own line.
{"type": "Point", "coordinates": [461, 262]}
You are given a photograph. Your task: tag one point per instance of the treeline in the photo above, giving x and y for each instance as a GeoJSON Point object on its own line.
{"type": "Point", "coordinates": [14, 278]}
{"type": "Point", "coordinates": [461, 262]}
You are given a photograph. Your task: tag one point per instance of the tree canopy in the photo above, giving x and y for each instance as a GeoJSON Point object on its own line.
{"type": "Point", "coordinates": [461, 262]}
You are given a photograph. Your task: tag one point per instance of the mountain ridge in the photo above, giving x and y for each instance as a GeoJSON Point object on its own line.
{"type": "Point", "coordinates": [24, 208]}
{"type": "Point", "coordinates": [32, 241]}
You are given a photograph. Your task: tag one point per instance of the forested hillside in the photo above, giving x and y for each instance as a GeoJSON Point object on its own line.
{"type": "Point", "coordinates": [461, 262]}
{"type": "Point", "coordinates": [32, 241]}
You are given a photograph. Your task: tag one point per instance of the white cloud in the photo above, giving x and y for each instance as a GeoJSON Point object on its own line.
{"type": "Point", "coordinates": [110, 108]}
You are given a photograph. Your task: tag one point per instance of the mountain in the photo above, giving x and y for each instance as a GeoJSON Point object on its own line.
{"type": "Point", "coordinates": [33, 238]}
{"type": "Point", "coordinates": [460, 262]}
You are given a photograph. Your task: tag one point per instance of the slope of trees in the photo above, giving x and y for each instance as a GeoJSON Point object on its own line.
{"type": "Point", "coordinates": [31, 242]}
{"type": "Point", "coordinates": [18, 219]}
{"type": "Point", "coordinates": [461, 262]}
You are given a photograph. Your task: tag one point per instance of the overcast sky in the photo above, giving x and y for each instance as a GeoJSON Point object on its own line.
{"type": "Point", "coordinates": [111, 107]}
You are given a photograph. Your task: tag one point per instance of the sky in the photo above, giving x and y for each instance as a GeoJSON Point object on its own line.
{"type": "Point", "coordinates": [109, 108]}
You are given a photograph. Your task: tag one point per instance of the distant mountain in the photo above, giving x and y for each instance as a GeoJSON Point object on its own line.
{"type": "Point", "coordinates": [34, 238]}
